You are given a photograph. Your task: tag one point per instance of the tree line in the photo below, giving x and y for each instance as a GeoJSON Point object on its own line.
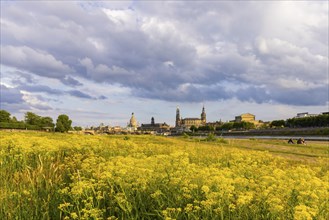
{"type": "Point", "coordinates": [33, 121]}
{"type": "Point", "coordinates": [225, 126]}
{"type": "Point", "coordinates": [311, 121]}
{"type": "Point", "coordinates": [306, 122]}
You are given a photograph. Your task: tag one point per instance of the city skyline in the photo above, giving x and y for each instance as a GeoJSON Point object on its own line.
{"type": "Point", "coordinates": [100, 61]}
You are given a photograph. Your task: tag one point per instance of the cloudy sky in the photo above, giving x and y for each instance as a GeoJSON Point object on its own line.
{"type": "Point", "coordinates": [100, 61]}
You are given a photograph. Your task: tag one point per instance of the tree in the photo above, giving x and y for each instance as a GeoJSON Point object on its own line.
{"type": "Point", "coordinates": [32, 118]}
{"type": "Point", "coordinates": [77, 128]}
{"type": "Point", "coordinates": [63, 123]}
{"type": "Point", "coordinates": [227, 126]}
{"type": "Point", "coordinates": [245, 125]}
{"type": "Point", "coordinates": [206, 128]}
{"type": "Point", "coordinates": [14, 119]}
{"type": "Point", "coordinates": [278, 123]}
{"type": "Point", "coordinates": [311, 121]}
{"type": "Point", "coordinates": [193, 128]}
{"type": "Point", "coordinates": [4, 116]}
{"type": "Point", "coordinates": [248, 125]}
{"type": "Point", "coordinates": [47, 122]}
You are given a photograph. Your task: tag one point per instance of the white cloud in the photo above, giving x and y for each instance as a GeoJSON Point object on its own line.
{"type": "Point", "coordinates": [97, 44]}
{"type": "Point", "coordinates": [295, 83]}
{"type": "Point", "coordinates": [35, 101]}
{"type": "Point", "coordinates": [261, 45]}
{"type": "Point", "coordinates": [102, 72]}
{"type": "Point", "coordinates": [123, 19]}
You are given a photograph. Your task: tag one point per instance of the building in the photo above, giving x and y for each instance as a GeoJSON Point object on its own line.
{"type": "Point", "coordinates": [188, 122]}
{"type": "Point", "coordinates": [304, 114]}
{"type": "Point", "coordinates": [247, 117]}
{"type": "Point", "coordinates": [155, 127]}
{"type": "Point", "coordinates": [132, 125]}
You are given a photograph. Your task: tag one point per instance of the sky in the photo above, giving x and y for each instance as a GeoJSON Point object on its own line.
{"type": "Point", "coordinates": [99, 61]}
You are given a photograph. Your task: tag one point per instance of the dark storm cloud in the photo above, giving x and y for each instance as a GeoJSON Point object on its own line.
{"type": "Point", "coordinates": [15, 108]}
{"type": "Point", "coordinates": [40, 88]}
{"type": "Point", "coordinates": [69, 81]}
{"type": "Point", "coordinates": [310, 97]}
{"type": "Point", "coordinates": [102, 97]}
{"type": "Point", "coordinates": [25, 82]}
{"type": "Point", "coordinates": [48, 90]}
{"type": "Point", "coordinates": [289, 96]}
{"type": "Point", "coordinates": [181, 51]}
{"type": "Point", "coordinates": [188, 93]}
{"type": "Point", "coordinates": [12, 99]}
{"type": "Point", "coordinates": [41, 107]}
{"type": "Point", "coordinates": [23, 77]}
{"type": "Point", "coordinates": [79, 94]}
{"type": "Point", "coordinates": [253, 94]}
{"type": "Point", "coordinates": [10, 95]}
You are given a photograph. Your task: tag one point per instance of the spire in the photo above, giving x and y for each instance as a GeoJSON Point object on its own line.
{"type": "Point", "coordinates": [203, 115]}
{"type": "Point", "coordinates": [178, 120]}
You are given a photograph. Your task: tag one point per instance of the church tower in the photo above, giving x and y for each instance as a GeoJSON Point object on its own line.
{"type": "Point", "coordinates": [178, 120]}
{"type": "Point", "coordinates": [133, 121]}
{"type": "Point", "coordinates": [203, 116]}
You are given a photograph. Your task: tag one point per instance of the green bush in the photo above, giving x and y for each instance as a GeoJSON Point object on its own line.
{"type": "Point", "coordinates": [12, 125]}
{"type": "Point", "coordinates": [210, 137]}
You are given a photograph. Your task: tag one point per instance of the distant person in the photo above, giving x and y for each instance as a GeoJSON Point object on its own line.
{"type": "Point", "coordinates": [301, 141]}
{"type": "Point", "coordinates": [290, 141]}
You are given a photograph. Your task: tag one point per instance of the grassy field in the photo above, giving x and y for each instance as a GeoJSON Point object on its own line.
{"type": "Point", "coordinates": [65, 176]}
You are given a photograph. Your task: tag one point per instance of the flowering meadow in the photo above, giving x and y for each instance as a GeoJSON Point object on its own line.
{"type": "Point", "coordinates": [67, 176]}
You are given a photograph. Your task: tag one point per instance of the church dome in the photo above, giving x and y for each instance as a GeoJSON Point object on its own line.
{"type": "Point", "coordinates": [133, 121]}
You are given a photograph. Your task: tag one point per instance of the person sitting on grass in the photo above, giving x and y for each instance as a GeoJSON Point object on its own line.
{"type": "Point", "coordinates": [290, 141]}
{"type": "Point", "coordinates": [301, 141]}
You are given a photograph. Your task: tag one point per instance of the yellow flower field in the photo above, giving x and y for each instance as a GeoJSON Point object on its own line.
{"type": "Point", "coordinates": [66, 176]}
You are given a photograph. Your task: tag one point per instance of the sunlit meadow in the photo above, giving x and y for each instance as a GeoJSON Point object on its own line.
{"type": "Point", "coordinates": [66, 176]}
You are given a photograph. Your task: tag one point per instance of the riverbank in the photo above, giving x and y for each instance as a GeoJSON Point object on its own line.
{"type": "Point", "coordinates": [314, 134]}
{"type": "Point", "coordinates": [306, 138]}
{"type": "Point", "coordinates": [323, 131]}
